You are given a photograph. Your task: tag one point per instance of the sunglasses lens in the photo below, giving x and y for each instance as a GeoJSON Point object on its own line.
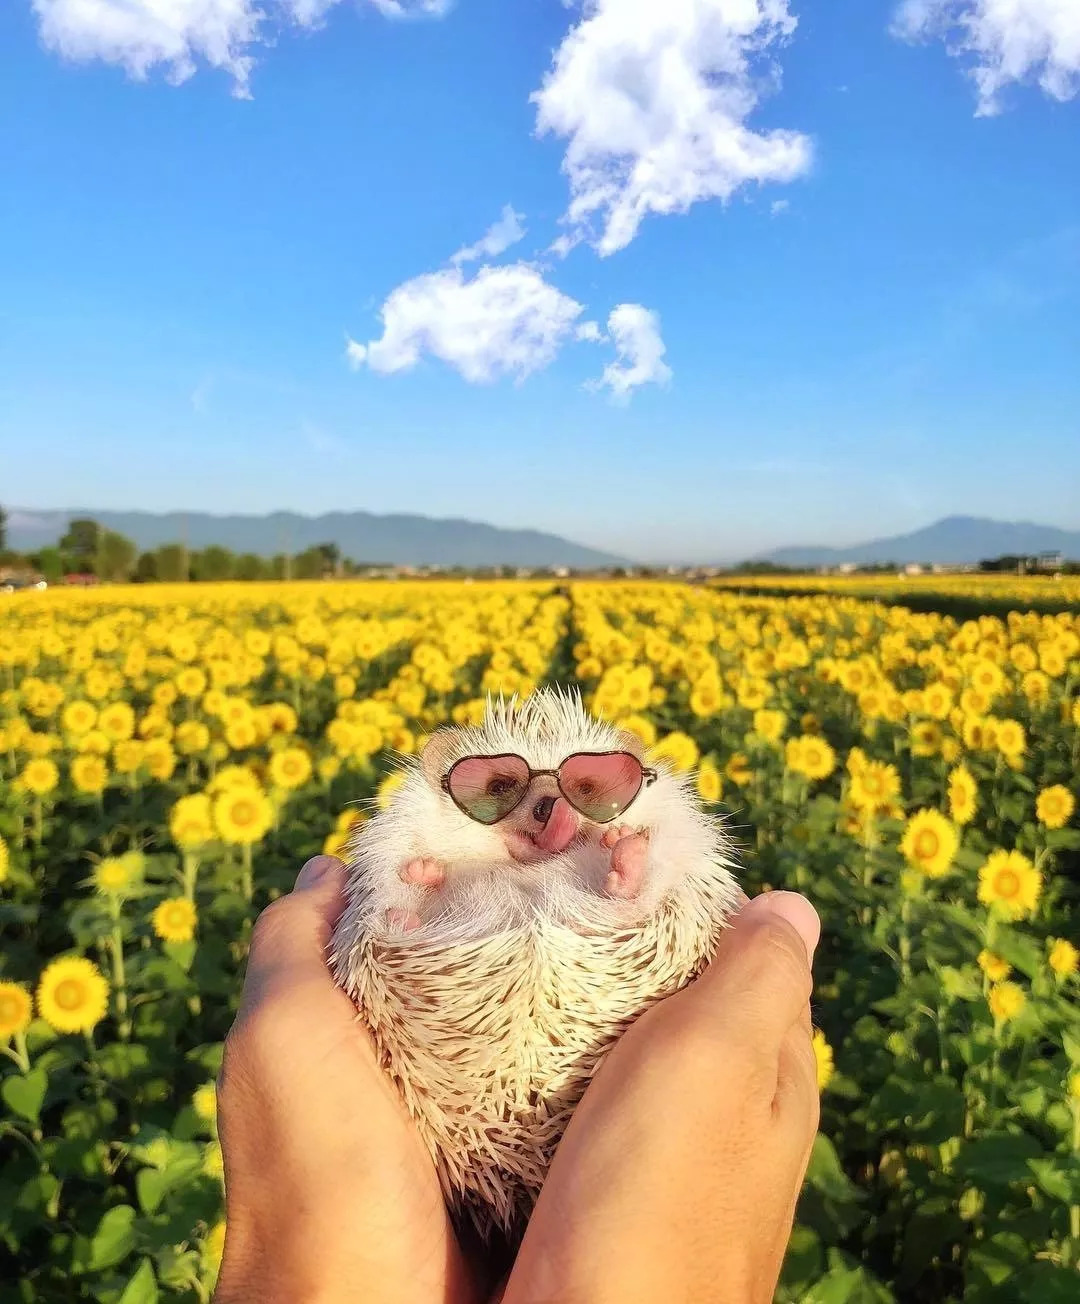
{"type": "Point", "coordinates": [487, 788]}
{"type": "Point", "coordinates": [601, 787]}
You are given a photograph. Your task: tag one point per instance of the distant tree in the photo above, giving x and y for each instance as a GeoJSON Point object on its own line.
{"type": "Point", "coordinates": [3, 530]}
{"type": "Point", "coordinates": [146, 568]}
{"type": "Point", "coordinates": [251, 567]}
{"type": "Point", "coordinates": [49, 562]}
{"type": "Point", "coordinates": [280, 566]}
{"type": "Point", "coordinates": [331, 554]}
{"type": "Point", "coordinates": [171, 560]}
{"type": "Point", "coordinates": [309, 564]}
{"type": "Point", "coordinates": [115, 557]}
{"type": "Point", "coordinates": [80, 544]}
{"type": "Point", "coordinates": [213, 563]}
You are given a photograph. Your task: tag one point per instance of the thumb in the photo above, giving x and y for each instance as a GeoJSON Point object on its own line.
{"type": "Point", "coordinates": [289, 941]}
{"type": "Point", "coordinates": [759, 981]}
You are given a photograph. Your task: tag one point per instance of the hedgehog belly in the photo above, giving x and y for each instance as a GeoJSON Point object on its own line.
{"type": "Point", "coordinates": [492, 1042]}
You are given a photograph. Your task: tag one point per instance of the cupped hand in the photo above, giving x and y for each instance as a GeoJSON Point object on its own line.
{"type": "Point", "coordinates": [329, 1192]}
{"type": "Point", "coordinates": [678, 1175]}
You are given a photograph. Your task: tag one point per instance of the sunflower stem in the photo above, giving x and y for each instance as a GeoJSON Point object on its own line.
{"type": "Point", "coordinates": [191, 874]}
{"type": "Point", "coordinates": [116, 948]}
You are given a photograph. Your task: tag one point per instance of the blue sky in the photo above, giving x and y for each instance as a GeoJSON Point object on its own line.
{"type": "Point", "coordinates": [879, 325]}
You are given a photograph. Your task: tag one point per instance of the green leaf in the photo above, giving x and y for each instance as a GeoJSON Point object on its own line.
{"type": "Point", "coordinates": [826, 1174]}
{"type": "Point", "coordinates": [997, 1258]}
{"type": "Point", "coordinates": [112, 1242]}
{"type": "Point", "coordinates": [142, 1286]}
{"type": "Point", "coordinates": [998, 1158]}
{"type": "Point", "coordinates": [1058, 1176]}
{"type": "Point", "coordinates": [804, 1260]}
{"type": "Point", "coordinates": [24, 1094]}
{"type": "Point", "coordinates": [1022, 952]}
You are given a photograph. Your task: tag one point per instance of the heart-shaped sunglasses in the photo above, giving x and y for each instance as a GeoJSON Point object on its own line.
{"type": "Point", "coordinates": [599, 785]}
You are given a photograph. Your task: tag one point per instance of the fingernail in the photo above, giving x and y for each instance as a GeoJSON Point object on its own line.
{"type": "Point", "coordinates": [793, 907]}
{"type": "Point", "coordinates": [313, 871]}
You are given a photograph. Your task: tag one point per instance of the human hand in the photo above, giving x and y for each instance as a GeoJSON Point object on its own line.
{"type": "Point", "coordinates": [678, 1175]}
{"type": "Point", "coordinates": [329, 1192]}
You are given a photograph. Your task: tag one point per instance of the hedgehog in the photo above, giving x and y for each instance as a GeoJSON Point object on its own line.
{"type": "Point", "coordinates": [530, 889]}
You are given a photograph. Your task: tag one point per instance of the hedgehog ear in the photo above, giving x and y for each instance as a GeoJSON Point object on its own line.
{"type": "Point", "coordinates": [630, 742]}
{"type": "Point", "coordinates": [436, 754]}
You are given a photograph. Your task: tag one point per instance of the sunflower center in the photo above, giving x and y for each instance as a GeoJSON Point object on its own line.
{"type": "Point", "coordinates": [1007, 883]}
{"type": "Point", "coordinates": [927, 844]}
{"type": "Point", "coordinates": [243, 812]}
{"type": "Point", "coordinates": [69, 994]}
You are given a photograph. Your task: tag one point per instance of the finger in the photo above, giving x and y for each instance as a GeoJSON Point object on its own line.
{"type": "Point", "coordinates": [759, 981]}
{"type": "Point", "coordinates": [289, 941]}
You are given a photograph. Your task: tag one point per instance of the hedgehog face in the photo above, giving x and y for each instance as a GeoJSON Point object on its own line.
{"type": "Point", "coordinates": [536, 735]}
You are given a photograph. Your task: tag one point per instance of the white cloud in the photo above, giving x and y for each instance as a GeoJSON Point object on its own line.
{"type": "Point", "coordinates": [589, 331]}
{"type": "Point", "coordinates": [501, 321]}
{"type": "Point", "coordinates": [639, 351]}
{"type": "Point", "coordinates": [411, 8]}
{"type": "Point", "coordinates": [653, 97]}
{"type": "Point", "coordinates": [497, 238]}
{"type": "Point", "coordinates": [779, 206]}
{"type": "Point", "coordinates": [179, 35]}
{"type": "Point", "coordinates": [1003, 42]}
{"type": "Point", "coordinates": [354, 353]}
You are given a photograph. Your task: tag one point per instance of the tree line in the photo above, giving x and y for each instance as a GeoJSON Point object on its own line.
{"type": "Point", "coordinates": [88, 548]}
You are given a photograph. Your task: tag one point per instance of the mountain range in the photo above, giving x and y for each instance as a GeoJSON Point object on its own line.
{"type": "Point", "coordinates": [400, 540]}
{"type": "Point", "coordinates": [953, 540]}
{"type": "Point", "coordinates": [413, 540]}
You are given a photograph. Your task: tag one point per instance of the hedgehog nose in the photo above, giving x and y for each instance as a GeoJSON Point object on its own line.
{"type": "Point", "coordinates": [543, 808]}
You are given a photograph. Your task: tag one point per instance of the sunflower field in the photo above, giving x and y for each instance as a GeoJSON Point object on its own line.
{"type": "Point", "coordinates": [169, 756]}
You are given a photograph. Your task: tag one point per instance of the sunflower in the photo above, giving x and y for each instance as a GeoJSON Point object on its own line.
{"type": "Point", "coordinates": [709, 783]}
{"type": "Point", "coordinates": [5, 860]}
{"type": "Point", "coordinates": [963, 795]}
{"type": "Point", "coordinates": [290, 768]}
{"type": "Point", "coordinates": [738, 769]}
{"type": "Point", "coordinates": [243, 815]}
{"type": "Point", "coordinates": [116, 876]}
{"type": "Point", "coordinates": [1011, 740]}
{"type": "Point", "coordinates": [1054, 806]}
{"type": "Point", "coordinates": [79, 717]}
{"type": "Point", "coordinates": [1010, 884]}
{"type": "Point", "coordinates": [191, 682]}
{"type": "Point", "coordinates": [40, 776]}
{"type": "Point", "coordinates": [811, 756]}
{"type": "Point", "coordinates": [678, 749]}
{"type": "Point", "coordinates": [213, 1247]}
{"type": "Point", "coordinates": [117, 720]}
{"type": "Point", "coordinates": [1064, 958]}
{"type": "Point", "coordinates": [1006, 1000]}
{"type": "Point", "coordinates": [823, 1058]}
{"type": "Point", "coordinates": [212, 1163]}
{"type": "Point", "coordinates": [174, 920]}
{"type": "Point", "coordinates": [994, 966]}
{"type": "Point", "coordinates": [639, 725]}
{"type": "Point", "coordinates": [73, 995]}
{"type": "Point", "coordinates": [192, 737]}
{"type": "Point", "coordinates": [89, 774]}
{"type": "Point", "coordinates": [929, 843]}
{"type": "Point", "coordinates": [16, 1009]}
{"type": "Point", "coordinates": [769, 725]}
{"type": "Point", "coordinates": [937, 700]}
{"type": "Point", "coordinates": [191, 821]}
{"type": "Point", "coordinates": [205, 1101]}
{"type": "Point", "coordinates": [874, 786]}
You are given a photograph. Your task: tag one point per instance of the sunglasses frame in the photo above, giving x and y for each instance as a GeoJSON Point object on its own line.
{"type": "Point", "coordinates": [648, 776]}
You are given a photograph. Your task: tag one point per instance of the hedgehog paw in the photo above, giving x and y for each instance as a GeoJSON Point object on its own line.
{"type": "Point", "coordinates": [629, 860]}
{"type": "Point", "coordinates": [424, 871]}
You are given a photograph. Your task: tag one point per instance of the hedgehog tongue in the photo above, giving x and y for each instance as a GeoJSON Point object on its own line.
{"type": "Point", "coordinates": [559, 831]}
